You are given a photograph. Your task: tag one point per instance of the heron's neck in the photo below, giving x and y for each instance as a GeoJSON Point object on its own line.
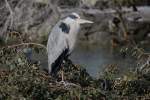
{"type": "Point", "coordinates": [72, 36]}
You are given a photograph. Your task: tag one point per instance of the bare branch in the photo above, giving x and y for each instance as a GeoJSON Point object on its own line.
{"type": "Point", "coordinates": [22, 44]}
{"type": "Point", "coordinates": [11, 12]}
{"type": "Point", "coordinates": [6, 25]}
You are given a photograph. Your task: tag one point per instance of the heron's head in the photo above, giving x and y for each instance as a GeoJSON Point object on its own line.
{"type": "Point", "coordinates": [74, 16]}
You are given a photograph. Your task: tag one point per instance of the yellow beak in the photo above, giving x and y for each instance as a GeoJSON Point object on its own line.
{"type": "Point", "coordinates": [82, 21]}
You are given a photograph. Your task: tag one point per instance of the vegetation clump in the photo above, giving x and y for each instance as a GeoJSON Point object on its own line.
{"type": "Point", "coordinates": [20, 78]}
{"type": "Point", "coordinates": [23, 80]}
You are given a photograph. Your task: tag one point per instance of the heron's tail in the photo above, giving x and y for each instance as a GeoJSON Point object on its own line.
{"type": "Point", "coordinates": [56, 66]}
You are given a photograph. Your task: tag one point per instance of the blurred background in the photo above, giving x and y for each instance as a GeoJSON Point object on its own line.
{"type": "Point", "coordinates": [119, 27]}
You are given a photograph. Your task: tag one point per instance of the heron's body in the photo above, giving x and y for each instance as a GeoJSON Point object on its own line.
{"type": "Point", "coordinates": [61, 42]}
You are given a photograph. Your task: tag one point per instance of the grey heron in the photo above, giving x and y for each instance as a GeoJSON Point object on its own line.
{"type": "Point", "coordinates": [62, 40]}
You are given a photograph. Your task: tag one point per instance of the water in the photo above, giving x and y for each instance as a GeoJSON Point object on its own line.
{"type": "Point", "coordinates": [95, 58]}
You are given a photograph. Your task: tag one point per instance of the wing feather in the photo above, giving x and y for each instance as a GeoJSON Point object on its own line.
{"type": "Point", "coordinates": [56, 45]}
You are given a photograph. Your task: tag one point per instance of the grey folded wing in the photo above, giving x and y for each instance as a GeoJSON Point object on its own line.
{"type": "Point", "coordinates": [56, 45]}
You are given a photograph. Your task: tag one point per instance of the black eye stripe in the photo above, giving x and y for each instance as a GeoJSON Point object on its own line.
{"type": "Point", "coordinates": [64, 27]}
{"type": "Point", "coordinates": [73, 16]}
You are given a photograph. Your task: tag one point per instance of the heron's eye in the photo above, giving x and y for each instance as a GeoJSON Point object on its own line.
{"type": "Point", "coordinates": [73, 16]}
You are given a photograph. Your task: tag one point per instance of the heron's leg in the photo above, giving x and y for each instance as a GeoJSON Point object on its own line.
{"type": "Point", "coordinates": [65, 83]}
{"type": "Point", "coordinates": [62, 75]}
